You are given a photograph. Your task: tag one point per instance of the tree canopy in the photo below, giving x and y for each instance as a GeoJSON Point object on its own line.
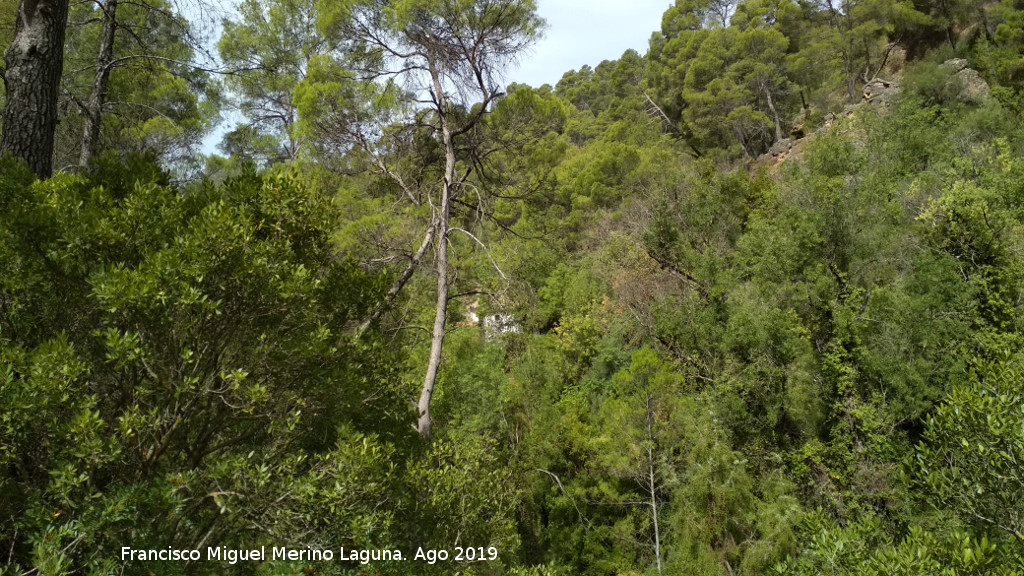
{"type": "Point", "coordinates": [750, 302]}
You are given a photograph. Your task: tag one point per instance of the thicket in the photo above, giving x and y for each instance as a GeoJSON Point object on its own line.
{"type": "Point", "coordinates": [663, 351]}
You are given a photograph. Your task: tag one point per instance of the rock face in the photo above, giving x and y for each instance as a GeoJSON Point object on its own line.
{"type": "Point", "coordinates": [955, 64]}
{"type": "Point", "coordinates": [965, 83]}
{"type": "Point", "coordinates": [826, 124]}
{"type": "Point", "coordinates": [880, 91]}
{"type": "Point", "coordinates": [781, 148]}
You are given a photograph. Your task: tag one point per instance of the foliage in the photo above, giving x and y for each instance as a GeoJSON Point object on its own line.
{"type": "Point", "coordinates": [665, 351]}
{"type": "Point", "coordinates": [157, 101]}
{"type": "Point", "coordinates": [970, 449]}
{"type": "Point", "coordinates": [276, 43]}
{"type": "Point", "coordinates": [148, 389]}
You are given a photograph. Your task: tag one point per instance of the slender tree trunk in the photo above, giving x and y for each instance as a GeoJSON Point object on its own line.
{"type": "Point", "coordinates": [441, 315]}
{"type": "Point", "coordinates": [101, 82]}
{"type": "Point", "coordinates": [654, 513]}
{"type": "Point", "coordinates": [35, 62]}
{"type": "Point", "coordinates": [851, 77]}
{"type": "Point", "coordinates": [988, 30]}
{"type": "Point", "coordinates": [293, 142]}
{"type": "Point", "coordinates": [741, 137]}
{"type": "Point", "coordinates": [437, 337]}
{"type": "Point", "coordinates": [867, 63]}
{"type": "Point", "coordinates": [652, 487]}
{"type": "Point", "coordinates": [775, 116]}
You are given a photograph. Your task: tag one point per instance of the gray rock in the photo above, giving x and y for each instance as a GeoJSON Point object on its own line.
{"type": "Point", "coordinates": [955, 64]}
{"type": "Point", "coordinates": [969, 86]}
{"type": "Point", "coordinates": [879, 91]}
{"type": "Point", "coordinates": [826, 124]}
{"type": "Point", "coordinates": [781, 147]}
{"type": "Point", "coordinates": [965, 84]}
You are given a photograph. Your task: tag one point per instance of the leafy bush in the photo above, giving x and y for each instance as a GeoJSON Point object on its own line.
{"type": "Point", "coordinates": [175, 371]}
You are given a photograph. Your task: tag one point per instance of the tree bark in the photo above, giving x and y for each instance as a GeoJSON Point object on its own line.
{"type": "Point", "coordinates": [851, 78]}
{"type": "Point", "coordinates": [35, 62]}
{"type": "Point", "coordinates": [98, 96]}
{"type": "Point", "coordinates": [443, 221]}
{"type": "Point", "coordinates": [775, 116]}
{"type": "Point", "coordinates": [654, 511]}
{"type": "Point", "coordinates": [440, 318]}
{"type": "Point", "coordinates": [652, 487]}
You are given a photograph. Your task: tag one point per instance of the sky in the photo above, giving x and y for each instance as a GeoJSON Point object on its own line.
{"type": "Point", "coordinates": [586, 32]}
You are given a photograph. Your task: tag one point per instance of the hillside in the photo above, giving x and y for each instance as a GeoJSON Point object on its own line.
{"type": "Point", "coordinates": [750, 303]}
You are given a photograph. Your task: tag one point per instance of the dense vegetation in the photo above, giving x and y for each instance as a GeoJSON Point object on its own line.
{"type": "Point", "coordinates": [700, 311]}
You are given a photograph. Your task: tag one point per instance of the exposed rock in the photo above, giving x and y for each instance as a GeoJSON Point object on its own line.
{"type": "Point", "coordinates": [965, 84]}
{"type": "Point", "coordinates": [500, 324]}
{"type": "Point", "coordinates": [799, 129]}
{"type": "Point", "coordinates": [973, 87]}
{"type": "Point", "coordinates": [955, 64]}
{"type": "Point", "coordinates": [896, 62]}
{"type": "Point", "coordinates": [826, 123]}
{"type": "Point", "coordinates": [879, 91]}
{"type": "Point", "coordinates": [781, 147]}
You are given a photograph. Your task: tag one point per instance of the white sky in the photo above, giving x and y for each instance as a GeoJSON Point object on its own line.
{"type": "Point", "coordinates": [586, 32]}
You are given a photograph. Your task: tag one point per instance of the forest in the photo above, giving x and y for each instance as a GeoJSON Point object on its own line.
{"type": "Point", "coordinates": [751, 302]}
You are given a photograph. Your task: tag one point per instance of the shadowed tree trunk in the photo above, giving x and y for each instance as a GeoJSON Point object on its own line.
{"type": "Point", "coordinates": [775, 116]}
{"type": "Point", "coordinates": [101, 81]}
{"type": "Point", "coordinates": [35, 61]}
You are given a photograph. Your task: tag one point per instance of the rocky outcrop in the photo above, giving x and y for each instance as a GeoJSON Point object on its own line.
{"type": "Point", "coordinates": [955, 64]}
{"type": "Point", "coordinates": [879, 91]}
{"type": "Point", "coordinates": [965, 84]}
{"type": "Point", "coordinates": [781, 148]}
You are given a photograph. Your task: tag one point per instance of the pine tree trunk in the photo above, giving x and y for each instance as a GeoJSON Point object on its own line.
{"type": "Point", "coordinates": [440, 318]}
{"type": "Point", "coordinates": [851, 83]}
{"type": "Point", "coordinates": [654, 511]}
{"type": "Point", "coordinates": [775, 116]}
{"type": "Point", "coordinates": [849, 70]}
{"type": "Point", "coordinates": [101, 81]}
{"type": "Point", "coordinates": [443, 218]}
{"type": "Point", "coordinates": [97, 97]}
{"type": "Point", "coordinates": [35, 62]}
{"type": "Point", "coordinates": [651, 486]}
